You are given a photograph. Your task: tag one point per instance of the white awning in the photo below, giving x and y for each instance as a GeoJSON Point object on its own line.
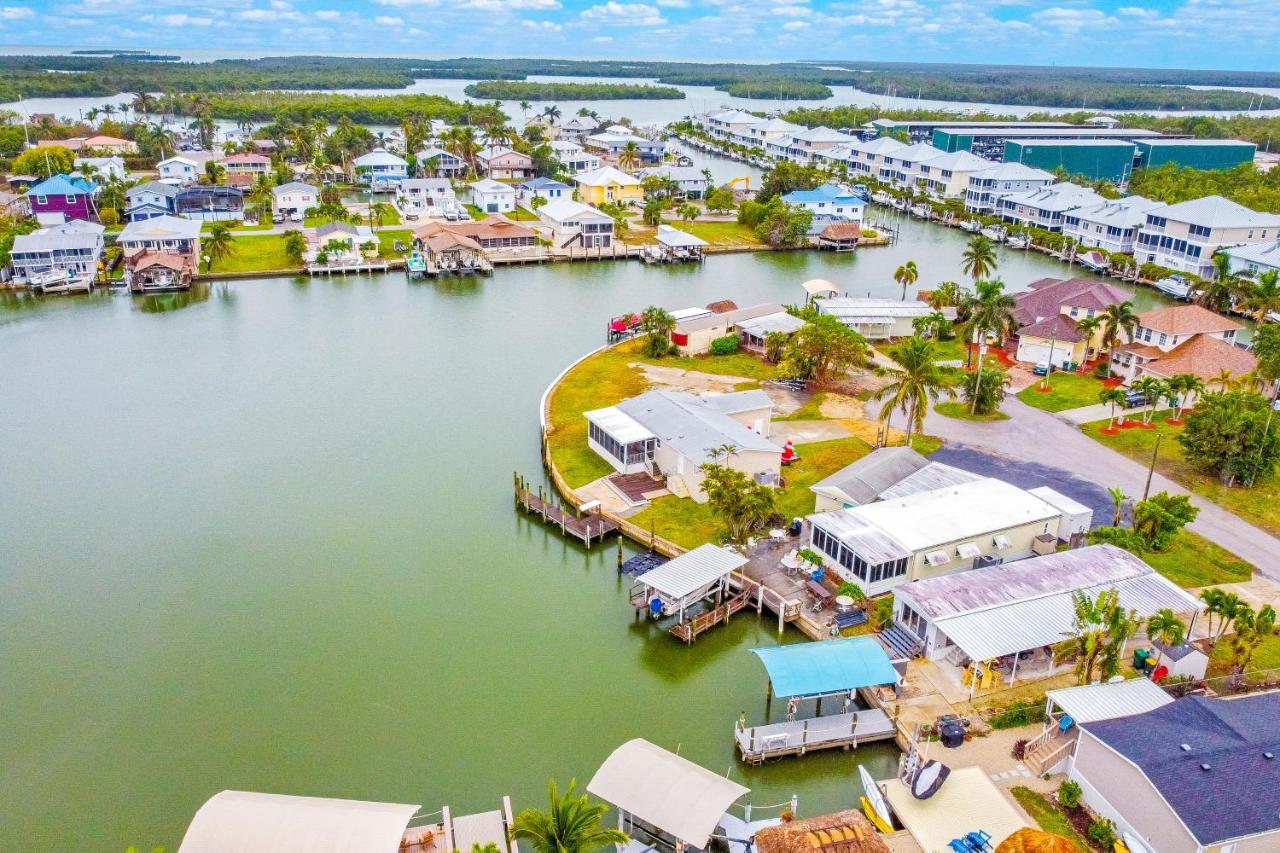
{"type": "Point", "coordinates": [937, 558]}
{"type": "Point", "coordinates": [816, 286]}
{"type": "Point", "coordinates": [1094, 702]}
{"type": "Point", "coordinates": [692, 571]}
{"type": "Point", "coordinates": [622, 427]}
{"type": "Point", "coordinates": [968, 550]}
{"type": "Point", "coordinates": [664, 790]}
{"type": "Point", "coordinates": [1002, 542]}
{"type": "Point", "coordinates": [235, 821]}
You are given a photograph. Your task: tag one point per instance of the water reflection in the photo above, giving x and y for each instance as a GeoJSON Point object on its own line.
{"type": "Point", "coordinates": [164, 303]}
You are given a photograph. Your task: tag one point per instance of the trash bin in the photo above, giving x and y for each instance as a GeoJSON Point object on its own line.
{"type": "Point", "coordinates": [1140, 658]}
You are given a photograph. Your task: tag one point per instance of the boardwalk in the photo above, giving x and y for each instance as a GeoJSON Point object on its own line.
{"type": "Point", "coordinates": [588, 528]}
{"type": "Point", "coordinates": [776, 740]}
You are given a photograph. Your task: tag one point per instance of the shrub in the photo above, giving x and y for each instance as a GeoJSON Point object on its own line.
{"type": "Point", "coordinates": [1069, 795]}
{"type": "Point", "coordinates": [109, 216]}
{"type": "Point", "coordinates": [1019, 750]}
{"type": "Point", "coordinates": [1102, 832]}
{"type": "Point", "coordinates": [726, 345]}
{"type": "Point", "coordinates": [1102, 370]}
{"type": "Point", "coordinates": [1018, 715]}
{"type": "Point", "coordinates": [852, 590]}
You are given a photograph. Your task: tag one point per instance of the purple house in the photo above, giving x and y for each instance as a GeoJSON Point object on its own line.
{"type": "Point", "coordinates": [70, 195]}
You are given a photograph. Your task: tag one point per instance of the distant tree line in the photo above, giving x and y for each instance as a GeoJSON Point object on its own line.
{"type": "Point", "coordinates": [518, 90]}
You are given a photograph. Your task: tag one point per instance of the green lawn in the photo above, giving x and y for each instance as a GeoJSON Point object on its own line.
{"type": "Point", "coordinates": [1267, 656]}
{"type": "Point", "coordinates": [255, 254]}
{"type": "Point", "coordinates": [723, 234]}
{"type": "Point", "coordinates": [522, 215]}
{"type": "Point", "coordinates": [476, 213]}
{"type": "Point", "coordinates": [387, 240]}
{"type": "Point", "coordinates": [810, 411]}
{"type": "Point", "coordinates": [1259, 505]}
{"type": "Point", "coordinates": [1047, 816]}
{"type": "Point", "coordinates": [959, 410]}
{"type": "Point", "coordinates": [1193, 561]}
{"type": "Point", "coordinates": [952, 350]}
{"type": "Point", "coordinates": [1069, 391]}
{"type": "Point", "coordinates": [263, 224]}
{"type": "Point", "coordinates": [744, 364]}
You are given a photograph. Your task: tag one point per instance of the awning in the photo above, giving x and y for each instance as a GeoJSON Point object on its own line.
{"type": "Point", "coordinates": [622, 427]}
{"type": "Point", "coordinates": [832, 666]}
{"type": "Point", "coordinates": [1002, 542]}
{"type": "Point", "coordinates": [692, 571]}
{"type": "Point", "coordinates": [968, 801]}
{"type": "Point", "coordinates": [664, 790]}
{"type": "Point", "coordinates": [937, 558]}
{"type": "Point", "coordinates": [816, 286]}
{"type": "Point", "coordinates": [274, 823]}
{"type": "Point", "coordinates": [1094, 702]}
{"type": "Point", "coordinates": [968, 550]}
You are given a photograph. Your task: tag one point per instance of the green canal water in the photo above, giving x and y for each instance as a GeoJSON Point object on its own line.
{"type": "Point", "coordinates": [264, 539]}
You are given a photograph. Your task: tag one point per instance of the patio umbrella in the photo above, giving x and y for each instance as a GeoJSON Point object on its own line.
{"type": "Point", "coordinates": [1027, 840]}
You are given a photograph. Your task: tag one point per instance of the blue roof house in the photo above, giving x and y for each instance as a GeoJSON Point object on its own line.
{"type": "Point", "coordinates": [68, 195]}
{"type": "Point", "coordinates": [828, 201]}
{"type": "Point", "coordinates": [547, 188]}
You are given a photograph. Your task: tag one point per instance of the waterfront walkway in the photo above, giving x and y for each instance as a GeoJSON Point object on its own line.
{"type": "Point", "coordinates": [797, 737]}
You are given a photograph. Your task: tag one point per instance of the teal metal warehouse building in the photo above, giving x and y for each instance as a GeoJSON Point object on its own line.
{"type": "Point", "coordinates": [1095, 159]}
{"type": "Point", "coordinates": [1195, 153]}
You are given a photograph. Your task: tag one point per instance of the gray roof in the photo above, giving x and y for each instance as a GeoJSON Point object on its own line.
{"type": "Point", "coordinates": [58, 237]}
{"type": "Point", "coordinates": [865, 479]}
{"type": "Point", "coordinates": [294, 186]}
{"type": "Point", "coordinates": [780, 322]}
{"type": "Point", "coordinates": [166, 190]}
{"type": "Point", "coordinates": [1215, 211]}
{"type": "Point", "coordinates": [869, 540]}
{"type": "Point", "coordinates": [935, 475]}
{"type": "Point", "coordinates": [160, 228]}
{"type": "Point", "coordinates": [1239, 792]}
{"type": "Point", "coordinates": [336, 228]}
{"type": "Point", "coordinates": [693, 426]}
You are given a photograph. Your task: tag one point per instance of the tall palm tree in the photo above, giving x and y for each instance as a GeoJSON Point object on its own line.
{"type": "Point", "coordinates": [570, 825]}
{"type": "Point", "coordinates": [918, 382]}
{"type": "Point", "coordinates": [1229, 607]}
{"type": "Point", "coordinates": [1154, 390]}
{"type": "Point", "coordinates": [906, 275]}
{"type": "Point", "coordinates": [1225, 380]}
{"type": "Point", "coordinates": [1088, 329]}
{"type": "Point", "coordinates": [1165, 626]}
{"type": "Point", "coordinates": [1100, 629]}
{"type": "Point", "coordinates": [1264, 296]}
{"type": "Point", "coordinates": [1212, 598]}
{"type": "Point", "coordinates": [1113, 397]}
{"type": "Point", "coordinates": [1118, 497]}
{"type": "Point", "coordinates": [552, 112]}
{"type": "Point", "coordinates": [629, 156]}
{"type": "Point", "coordinates": [989, 311]}
{"type": "Point", "coordinates": [979, 258]}
{"type": "Point", "coordinates": [1184, 385]}
{"type": "Point", "coordinates": [1118, 320]}
{"type": "Point", "coordinates": [1219, 292]}
{"type": "Point", "coordinates": [524, 109]}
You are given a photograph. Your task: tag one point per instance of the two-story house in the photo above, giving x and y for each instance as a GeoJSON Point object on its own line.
{"type": "Point", "coordinates": [294, 197]}
{"type": "Point", "coordinates": [1112, 225]}
{"type": "Point", "coordinates": [1186, 235]}
{"type": "Point", "coordinates": [492, 196]}
{"type": "Point", "coordinates": [62, 197]}
{"type": "Point", "coordinates": [1182, 339]}
{"type": "Point", "coordinates": [548, 189]}
{"type": "Point", "coordinates": [869, 157]}
{"type": "Point", "coordinates": [165, 234]}
{"type": "Point", "coordinates": [146, 201]}
{"type": "Point", "coordinates": [1047, 207]}
{"type": "Point", "coordinates": [246, 165]}
{"type": "Point", "coordinates": [576, 224]}
{"type": "Point", "coordinates": [988, 186]}
{"type": "Point", "coordinates": [434, 161]}
{"type": "Point", "coordinates": [502, 163]}
{"type": "Point", "coordinates": [426, 197]}
{"type": "Point", "coordinates": [607, 185]}
{"type": "Point", "coordinates": [762, 132]}
{"type": "Point", "coordinates": [179, 170]}
{"type": "Point", "coordinates": [689, 180]}
{"type": "Point", "coordinates": [802, 145]}
{"type": "Point", "coordinates": [380, 168]}
{"type": "Point", "coordinates": [906, 163]}
{"type": "Point", "coordinates": [103, 168]}
{"type": "Point", "coordinates": [573, 158]}
{"type": "Point", "coordinates": [75, 246]}
{"type": "Point", "coordinates": [1047, 313]}
{"type": "Point", "coordinates": [948, 176]}
{"type": "Point", "coordinates": [829, 201]}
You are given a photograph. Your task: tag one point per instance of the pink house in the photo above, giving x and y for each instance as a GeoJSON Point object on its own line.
{"type": "Point", "coordinates": [69, 195]}
{"type": "Point", "coordinates": [499, 162]}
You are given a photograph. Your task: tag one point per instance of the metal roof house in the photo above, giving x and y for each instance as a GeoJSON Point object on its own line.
{"type": "Point", "coordinates": [670, 434]}
{"type": "Point", "coordinates": [876, 319]}
{"type": "Point", "coordinates": [829, 200]}
{"type": "Point", "coordinates": [74, 246]}
{"type": "Point", "coordinates": [1197, 774]}
{"type": "Point", "coordinates": [380, 166]}
{"type": "Point", "coordinates": [677, 584]}
{"type": "Point", "coordinates": [886, 471]}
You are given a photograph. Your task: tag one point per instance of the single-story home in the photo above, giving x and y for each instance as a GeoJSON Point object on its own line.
{"type": "Point", "coordinates": [673, 433]}
{"type": "Point", "coordinates": [576, 224]}
{"type": "Point", "coordinates": [493, 197]}
{"type": "Point", "coordinates": [544, 188]}
{"type": "Point", "coordinates": [694, 336]}
{"type": "Point", "coordinates": [753, 330]}
{"type": "Point", "coordinates": [294, 197]}
{"type": "Point", "coordinates": [252, 165]}
{"type": "Point", "coordinates": [878, 319]}
{"type": "Point", "coordinates": [494, 233]}
{"type": "Point", "coordinates": [607, 185]}
{"type": "Point", "coordinates": [884, 472]}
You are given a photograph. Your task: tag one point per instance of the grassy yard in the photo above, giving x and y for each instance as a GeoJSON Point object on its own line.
{"type": "Point", "coordinates": [722, 234]}
{"type": "Point", "coordinates": [1259, 505]}
{"type": "Point", "coordinates": [959, 410]}
{"type": "Point", "coordinates": [1047, 816]}
{"type": "Point", "coordinates": [256, 254]}
{"type": "Point", "coordinates": [476, 213]}
{"type": "Point", "coordinates": [744, 364]}
{"type": "Point", "coordinates": [1266, 657]}
{"type": "Point", "coordinates": [387, 241]}
{"type": "Point", "coordinates": [810, 411]}
{"type": "Point", "coordinates": [522, 215]}
{"type": "Point", "coordinates": [1069, 391]}
{"type": "Point", "coordinates": [263, 224]}
{"type": "Point", "coordinates": [690, 524]}
{"type": "Point", "coordinates": [1194, 561]}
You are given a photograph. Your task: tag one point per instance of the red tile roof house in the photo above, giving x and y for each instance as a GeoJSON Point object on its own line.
{"type": "Point", "coordinates": [246, 164]}
{"type": "Point", "coordinates": [1182, 339]}
{"type": "Point", "coordinates": [1047, 313]}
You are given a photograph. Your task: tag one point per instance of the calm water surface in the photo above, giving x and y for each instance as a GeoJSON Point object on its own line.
{"type": "Point", "coordinates": [264, 540]}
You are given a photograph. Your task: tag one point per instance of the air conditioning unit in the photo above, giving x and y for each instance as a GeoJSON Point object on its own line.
{"type": "Point", "coordinates": [987, 560]}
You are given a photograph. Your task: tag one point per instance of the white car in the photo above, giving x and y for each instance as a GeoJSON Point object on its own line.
{"type": "Point", "coordinates": [296, 216]}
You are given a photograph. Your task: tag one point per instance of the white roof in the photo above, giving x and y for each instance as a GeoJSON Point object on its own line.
{"type": "Point", "coordinates": [693, 426]}
{"type": "Point", "coordinates": [669, 236]}
{"type": "Point", "coordinates": [562, 209]}
{"type": "Point", "coordinates": [294, 187]}
{"type": "Point", "coordinates": [960, 161]}
{"type": "Point", "coordinates": [65, 236]}
{"type": "Point", "coordinates": [732, 117]}
{"type": "Point", "coordinates": [161, 228]}
{"type": "Point", "coordinates": [564, 146]}
{"type": "Point", "coordinates": [234, 821]}
{"type": "Point", "coordinates": [1058, 197]}
{"type": "Point", "coordinates": [605, 176]}
{"type": "Point", "coordinates": [1262, 254]}
{"type": "Point", "coordinates": [917, 153]}
{"type": "Point", "coordinates": [822, 134]}
{"type": "Point", "coordinates": [379, 157]}
{"type": "Point", "coordinates": [1093, 702]}
{"type": "Point", "coordinates": [779, 322]}
{"type": "Point", "coordinates": [880, 145]}
{"type": "Point", "coordinates": [1215, 211]}
{"type": "Point", "coordinates": [1054, 498]}
{"type": "Point", "coordinates": [1013, 172]}
{"type": "Point", "coordinates": [488, 185]}
{"type": "Point", "coordinates": [854, 309]}
{"type": "Point", "coordinates": [692, 571]}
{"type": "Point", "coordinates": [967, 800]}
{"type": "Point", "coordinates": [665, 790]}
{"type": "Point", "coordinates": [815, 286]}
{"type": "Point", "coordinates": [183, 160]}
{"type": "Point", "coordinates": [1120, 213]}
{"type": "Point", "coordinates": [618, 424]}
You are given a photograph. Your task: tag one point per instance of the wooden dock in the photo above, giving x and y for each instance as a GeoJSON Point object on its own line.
{"type": "Point", "coordinates": [689, 630]}
{"type": "Point", "coordinates": [343, 269]}
{"type": "Point", "coordinates": [589, 528]}
{"type": "Point", "coordinates": [758, 744]}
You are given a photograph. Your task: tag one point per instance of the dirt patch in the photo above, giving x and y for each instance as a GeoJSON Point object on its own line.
{"type": "Point", "coordinates": [841, 406]}
{"type": "Point", "coordinates": [687, 380]}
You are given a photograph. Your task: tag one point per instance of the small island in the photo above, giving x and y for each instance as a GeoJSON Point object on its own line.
{"type": "Point", "coordinates": [777, 90]}
{"type": "Point", "coordinates": [523, 90]}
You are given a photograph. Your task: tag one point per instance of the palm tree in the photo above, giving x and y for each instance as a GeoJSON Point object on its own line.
{"type": "Point", "coordinates": [989, 312]}
{"type": "Point", "coordinates": [1219, 292]}
{"type": "Point", "coordinates": [1154, 390]}
{"type": "Point", "coordinates": [552, 112]}
{"type": "Point", "coordinates": [218, 244]}
{"type": "Point", "coordinates": [919, 381]}
{"type": "Point", "coordinates": [629, 156]}
{"type": "Point", "coordinates": [1114, 397]}
{"type": "Point", "coordinates": [1264, 296]}
{"type": "Point", "coordinates": [688, 212]}
{"type": "Point", "coordinates": [657, 324]}
{"type": "Point", "coordinates": [1118, 497]}
{"type": "Point", "coordinates": [1088, 329]}
{"type": "Point", "coordinates": [906, 275]}
{"type": "Point", "coordinates": [570, 825]}
{"type": "Point", "coordinates": [1212, 598]}
{"type": "Point", "coordinates": [524, 109]}
{"type": "Point", "coordinates": [1225, 380]}
{"type": "Point", "coordinates": [1165, 626]}
{"type": "Point", "coordinates": [1100, 630]}
{"type": "Point", "coordinates": [1251, 629]}
{"type": "Point", "coordinates": [1117, 319]}
{"type": "Point", "coordinates": [378, 212]}
{"type": "Point", "coordinates": [945, 295]}
{"type": "Point", "coordinates": [979, 258]}
{"type": "Point", "coordinates": [1184, 385]}
{"type": "Point", "coordinates": [1229, 607]}
{"type": "Point", "coordinates": [295, 244]}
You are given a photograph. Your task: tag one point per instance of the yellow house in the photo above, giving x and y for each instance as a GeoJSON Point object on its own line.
{"type": "Point", "coordinates": [607, 185]}
{"type": "Point", "coordinates": [1047, 314]}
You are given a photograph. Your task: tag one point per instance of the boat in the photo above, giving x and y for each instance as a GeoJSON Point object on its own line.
{"type": "Point", "coordinates": [416, 264]}
{"type": "Point", "coordinates": [59, 281]}
{"type": "Point", "coordinates": [1273, 317]}
{"type": "Point", "coordinates": [994, 232]}
{"type": "Point", "coordinates": [973, 226]}
{"type": "Point", "coordinates": [1175, 286]}
{"type": "Point", "coordinates": [1017, 241]}
{"type": "Point", "coordinates": [684, 160]}
{"type": "Point", "coordinates": [898, 204]}
{"type": "Point", "coordinates": [1095, 261]}
{"type": "Point", "coordinates": [922, 211]}
{"type": "Point", "coordinates": [881, 197]}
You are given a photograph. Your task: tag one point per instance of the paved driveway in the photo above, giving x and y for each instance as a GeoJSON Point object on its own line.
{"type": "Point", "coordinates": [1031, 435]}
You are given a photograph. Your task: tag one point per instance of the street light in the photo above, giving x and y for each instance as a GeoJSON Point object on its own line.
{"type": "Point", "coordinates": [1151, 470]}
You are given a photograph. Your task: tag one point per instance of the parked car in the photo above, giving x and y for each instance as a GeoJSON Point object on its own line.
{"type": "Point", "coordinates": [1134, 397]}
{"type": "Point", "coordinates": [1042, 368]}
{"type": "Point", "coordinates": [296, 216]}
{"type": "Point", "coordinates": [277, 218]}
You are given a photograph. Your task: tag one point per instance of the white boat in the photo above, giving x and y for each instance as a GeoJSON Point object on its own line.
{"type": "Point", "coordinates": [1273, 317]}
{"type": "Point", "coordinates": [898, 204]}
{"type": "Point", "coordinates": [921, 210]}
{"type": "Point", "coordinates": [1175, 286]}
{"type": "Point", "coordinates": [1095, 261]}
{"type": "Point", "coordinates": [881, 197]}
{"type": "Point", "coordinates": [59, 281]}
{"type": "Point", "coordinates": [973, 226]}
{"type": "Point", "coordinates": [994, 232]}
{"type": "Point", "coordinates": [1017, 242]}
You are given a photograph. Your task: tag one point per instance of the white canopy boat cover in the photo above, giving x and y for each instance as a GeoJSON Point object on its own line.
{"type": "Point", "coordinates": [664, 790]}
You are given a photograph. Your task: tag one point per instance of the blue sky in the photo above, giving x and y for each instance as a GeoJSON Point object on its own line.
{"type": "Point", "coordinates": [1169, 33]}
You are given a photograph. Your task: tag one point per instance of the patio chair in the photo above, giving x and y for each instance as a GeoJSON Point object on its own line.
{"type": "Point", "coordinates": [958, 845]}
{"type": "Point", "coordinates": [1065, 723]}
{"type": "Point", "coordinates": [979, 840]}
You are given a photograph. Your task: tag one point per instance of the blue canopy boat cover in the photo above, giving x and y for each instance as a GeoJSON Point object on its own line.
{"type": "Point", "coordinates": [830, 666]}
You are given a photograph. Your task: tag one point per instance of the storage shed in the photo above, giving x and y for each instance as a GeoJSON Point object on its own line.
{"type": "Point", "coordinates": [1076, 519]}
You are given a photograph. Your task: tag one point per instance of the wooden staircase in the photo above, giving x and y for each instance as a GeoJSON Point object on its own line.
{"type": "Point", "coordinates": [1046, 750]}
{"type": "Point", "coordinates": [901, 643]}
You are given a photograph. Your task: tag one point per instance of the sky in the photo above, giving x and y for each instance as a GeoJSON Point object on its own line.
{"type": "Point", "coordinates": [1236, 34]}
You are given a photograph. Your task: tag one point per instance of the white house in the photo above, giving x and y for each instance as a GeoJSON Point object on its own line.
{"type": "Point", "coordinates": [906, 163]}
{"type": "Point", "coordinates": [294, 197]}
{"type": "Point", "coordinates": [759, 133]}
{"type": "Point", "coordinates": [75, 245]}
{"type": "Point", "coordinates": [435, 161]}
{"type": "Point", "coordinates": [829, 201]}
{"type": "Point", "coordinates": [869, 157]}
{"type": "Point", "coordinates": [380, 167]}
{"type": "Point", "coordinates": [1047, 207]}
{"type": "Point", "coordinates": [573, 223]}
{"type": "Point", "coordinates": [1111, 225]}
{"type": "Point", "coordinates": [987, 187]}
{"type": "Point", "coordinates": [179, 170]}
{"type": "Point", "coordinates": [493, 197]}
{"type": "Point", "coordinates": [1254, 258]}
{"type": "Point", "coordinates": [689, 180]}
{"type": "Point", "coordinates": [548, 189]}
{"type": "Point", "coordinates": [877, 319]}
{"type": "Point", "coordinates": [947, 176]}
{"type": "Point", "coordinates": [1185, 236]}
{"type": "Point", "coordinates": [802, 146]}
{"type": "Point", "coordinates": [103, 168]}
{"type": "Point", "coordinates": [573, 157]}
{"type": "Point", "coordinates": [170, 234]}
{"type": "Point", "coordinates": [426, 197]}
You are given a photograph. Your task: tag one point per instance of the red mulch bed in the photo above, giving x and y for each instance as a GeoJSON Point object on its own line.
{"type": "Point", "coordinates": [1109, 431]}
{"type": "Point", "coordinates": [1044, 389]}
{"type": "Point", "coordinates": [1131, 425]}
{"type": "Point", "coordinates": [1174, 421]}
{"type": "Point", "coordinates": [1113, 382]}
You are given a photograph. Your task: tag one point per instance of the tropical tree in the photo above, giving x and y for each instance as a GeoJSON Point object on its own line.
{"type": "Point", "coordinates": [657, 324]}
{"type": "Point", "coordinates": [1088, 329]}
{"type": "Point", "coordinates": [979, 258]}
{"type": "Point", "coordinates": [214, 171]}
{"type": "Point", "coordinates": [1183, 385]}
{"type": "Point", "coordinates": [1118, 497]}
{"type": "Point", "coordinates": [906, 276]}
{"type": "Point", "coordinates": [1212, 598]}
{"type": "Point", "coordinates": [1153, 389]}
{"type": "Point", "coordinates": [988, 311]}
{"type": "Point", "coordinates": [688, 212]}
{"type": "Point", "coordinates": [1165, 626]}
{"type": "Point", "coordinates": [1219, 292]}
{"type": "Point", "coordinates": [823, 349]}
{"type": "Point", "coordinates": [1117, 321]}
{"type": "Point", "coordinates": [295, 244]}
{"type": "Point", "coordinates": [552, 113]}
{"type": "Point", "coordinates": [218, 243]}
{"type": "Point", "coordinates": [916, 383]}
{"type": "Point", "coordinates": [1230, 606]}
{"type": "Point", "coordinates": [571, 824]}
{"type": "Point", "coordinates": [1264, 296]}
{"type": "Point", "coordinates": [524, 109]}
{"type": "Point", "coordinates": [984, 389]}
{"type": "Point", "coordinates": [629, 156]}
{"type": "Point", "coordinates": [1251, 630]}
{"type": "Point", "coordinates": [44, 161]}
{"type": "Point", "coordinates": [379, 212]}
{"type": "Point", "coordinates": [1100, 629]}
{"type": "Point", "coordinates": [775, 345]}
{"type": "Point", "coordinates": [946, 295]}
{"type": "Point", "coordinates": [934, 325]}
{"type": "Point", "coordinates": [742, 504]}
{"type": "Point", "coordinates": [1159, 518]}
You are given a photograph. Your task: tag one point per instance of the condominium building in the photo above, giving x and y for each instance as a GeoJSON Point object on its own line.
{"type": "Point", "coordinates": [1185, 236]}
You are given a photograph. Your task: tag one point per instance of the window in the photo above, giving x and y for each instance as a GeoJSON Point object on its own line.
{"type": "Point", "coordinates": [1163, 339]}
{"type": "Point", "coordinates": [1198, 231]}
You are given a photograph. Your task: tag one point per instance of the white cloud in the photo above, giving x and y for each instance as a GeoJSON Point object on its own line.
{"type": "Point", "coordinates": [602, 39]}
{"type": "Point", "coordinates": [178, 20]}
{"type": "Point", "coordinates": [16, 13]}
{"type": "Point", "coordinates": [795, 25]}
{"type": "Point", "coordinates": [549, 26]}
{"type": "Point", "coordinates": [792, 11]}
{"type": "Point", "coordinates": [625, 14]}
{"type": "Point", "coordinates": [327, 15]}
{"type": "Point", "coordinates": [270, 15]}
{"type": "Point", "coordinates": [674, 4]}
{"type": "Point", "coordinates": [388, 21]}
{"type": "Point", "coordinates": [1072, 20]}
{"type": "Point", "coordinates": [501, 5]}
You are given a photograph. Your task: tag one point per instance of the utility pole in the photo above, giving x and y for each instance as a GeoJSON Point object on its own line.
{"type": "Point", "coordinates": [1146, 490]}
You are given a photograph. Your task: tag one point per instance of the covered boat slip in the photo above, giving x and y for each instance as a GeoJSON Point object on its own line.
{"type": "Point", "coordinates": [702, 588]}
{"type": "Point", "coordinates": [832, 669]}
{"type": "Point", "coordinates": [967, 802]}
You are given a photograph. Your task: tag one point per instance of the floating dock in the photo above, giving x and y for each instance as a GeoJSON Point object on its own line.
{"type": "Point", "coordinates": [758, 744]}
